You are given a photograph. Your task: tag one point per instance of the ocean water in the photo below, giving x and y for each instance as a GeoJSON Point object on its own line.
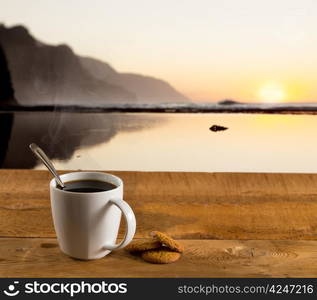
{"type": "Point", "coordinates": [162, 142]}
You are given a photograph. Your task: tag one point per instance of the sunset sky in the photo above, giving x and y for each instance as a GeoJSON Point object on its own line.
{"type": "Point", "coordinates": [248, 50]}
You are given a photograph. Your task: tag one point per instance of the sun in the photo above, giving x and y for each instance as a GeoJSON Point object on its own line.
{"type": "Point", "coordinates": [272, 93]}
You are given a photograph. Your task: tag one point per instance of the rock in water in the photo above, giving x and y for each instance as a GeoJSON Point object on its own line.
{"type": "Point", "coordinates": [216, 128]}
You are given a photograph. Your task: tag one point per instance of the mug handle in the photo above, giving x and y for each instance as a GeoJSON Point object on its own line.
{"type": "Point", "coordinates": [130, 224]}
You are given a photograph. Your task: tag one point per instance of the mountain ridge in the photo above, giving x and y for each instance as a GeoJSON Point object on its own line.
{"type": "Point", "coordinates": [146, 88]}
{"type": "Point", "coordinates": [44, 74]}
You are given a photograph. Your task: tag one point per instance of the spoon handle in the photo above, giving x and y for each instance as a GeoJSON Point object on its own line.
{"type": "Point", "coordinates": [46, 161]}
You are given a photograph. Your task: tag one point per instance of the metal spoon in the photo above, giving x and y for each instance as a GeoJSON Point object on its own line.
{"type": "Point", "coordinates": [46, 161]}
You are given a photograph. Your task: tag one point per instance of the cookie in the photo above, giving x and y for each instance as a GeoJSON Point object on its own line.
{"type": "Point", "coordinates": [142, 245]}
{"type": "Point", "coordinates": [167, 241]}
{"type": "Point", "coordinates": [160, 256]}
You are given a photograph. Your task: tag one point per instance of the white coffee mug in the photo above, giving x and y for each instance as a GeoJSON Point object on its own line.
{"type": "Point", "coordinates": [87, 224]}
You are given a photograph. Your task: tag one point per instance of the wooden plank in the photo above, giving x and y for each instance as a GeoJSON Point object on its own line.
{"type": "Point", "coordinates": [37, 257]}
{"type": "Point", "coordinates": [185, 205]}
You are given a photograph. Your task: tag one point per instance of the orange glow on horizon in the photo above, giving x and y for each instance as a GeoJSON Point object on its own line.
{"type": "Point", "coordinates": [256, 90]}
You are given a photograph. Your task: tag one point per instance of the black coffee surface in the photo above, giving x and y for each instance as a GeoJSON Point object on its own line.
{"type": "Point", "coordinates": [88, 186]}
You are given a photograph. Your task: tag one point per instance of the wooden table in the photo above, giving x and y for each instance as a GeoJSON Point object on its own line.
{"type": "Point", "coordinates": [232, 225]}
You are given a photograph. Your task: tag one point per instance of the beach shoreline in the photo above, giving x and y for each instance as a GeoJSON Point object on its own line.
{"type": "Point", "coordinates": [248, 109]}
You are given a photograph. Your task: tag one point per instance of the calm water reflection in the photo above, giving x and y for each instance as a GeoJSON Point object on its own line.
{"type": "Point", "coordinates": [62, 135]}
{"type": "Point", "coordinates": [167, 142]}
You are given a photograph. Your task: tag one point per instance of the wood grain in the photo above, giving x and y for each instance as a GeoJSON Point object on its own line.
{"type": "Point", "coordinates": [185, 205]}
{"type": "Point", "coordinates": [39, 257]}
